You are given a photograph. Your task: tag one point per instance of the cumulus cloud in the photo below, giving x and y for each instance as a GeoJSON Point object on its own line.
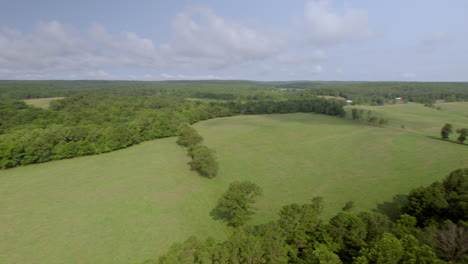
{"type": "Point", "coordinates": [128, 48]}
{"type": "Point", "coordinates": [202, 37]}
{"type": "Point", "coordinates": [327, 26]}
{"type": "Point", "coordinates": [51, 45]}
{"type": "Point", "coordinates": [305, 57]}
{"type": "Point", "coordinates": [317, 69]}
{"type": "Point", "coordinates": [54, 47]}
{"type": "Point", "coordinates": [200, 40]}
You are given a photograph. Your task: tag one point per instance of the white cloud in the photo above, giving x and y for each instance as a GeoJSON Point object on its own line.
{"type": "Point", "coordinates": [305, 57]}
{"type": "Point", "coordinates": [126, 49]}
{"type": "Point", "coordinates": [202, 37]}
{"type": "Point", "coordinates": [54, 47]}
{"type": "Point", "coordinates": [201, 40]}
{"type": "Point", "coordinates": [329, 27]}
{"type": "Point", "coordinates": [317, 69]}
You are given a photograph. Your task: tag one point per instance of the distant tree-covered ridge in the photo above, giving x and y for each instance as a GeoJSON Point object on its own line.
{"type": "Point", "coordinates": [106, 119]}
{"type": "Point", "coordinates": [359, 92]}
{"type": "Point", "coordinates": [386, 92]}
{"type": "Point", "coordinates": [431, 229]}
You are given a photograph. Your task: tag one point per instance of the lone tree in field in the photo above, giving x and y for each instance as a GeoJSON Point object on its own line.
{"type": "Point", "coordinates": [446, 131]}
{"type": "Point", "coordinates": [235, 207]}
{"type": "Point", "coordinates": [463, 134]}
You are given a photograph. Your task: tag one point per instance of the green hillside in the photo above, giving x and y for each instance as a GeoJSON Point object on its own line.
{"type": "Point", "coordinates": [131, 204]}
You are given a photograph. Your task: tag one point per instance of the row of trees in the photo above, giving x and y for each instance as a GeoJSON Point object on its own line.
{"type": "Point", "coordinates": [447, 129]}
{"type": "Point", "coordinates": [432, 228]}
{"type": "Point", "coordinates": [368, 116]}
{"type": "Point", "coordinates": [203, 159]}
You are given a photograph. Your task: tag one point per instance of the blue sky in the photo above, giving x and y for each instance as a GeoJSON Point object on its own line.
{"type": "Point", "coordinates": [257, 40]}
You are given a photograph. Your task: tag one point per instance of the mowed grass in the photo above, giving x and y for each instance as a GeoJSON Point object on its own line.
{"type": "Point", "coordinates": [120, 207]}
{"type": "Point", "coordinates": [41, 102]}
{"type": "Point", "coordinates": [296, 157]}
{"type": "Point", "coordinates": [132, 204]}
{"type": "Point", "coordinates": [420, 119]}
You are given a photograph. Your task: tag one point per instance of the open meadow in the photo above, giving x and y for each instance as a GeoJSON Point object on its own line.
{"type": "Point", "coordinates": [41, 102]}
{"type": "Point", "coordinates": [132, 204]}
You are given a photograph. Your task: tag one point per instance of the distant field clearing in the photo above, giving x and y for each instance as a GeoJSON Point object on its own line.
{"type": "Point", "coordinates": [42, 102]}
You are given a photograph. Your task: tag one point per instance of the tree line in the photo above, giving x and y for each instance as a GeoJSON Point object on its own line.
{"type": "Point", "coordinates": [368, 116]}
{"type": "Point", "coordinates": [447, 129]}
{"type": "Point", "coordinates": [430, 228]}
{"type": "Point", "coordinates": [203, 159]}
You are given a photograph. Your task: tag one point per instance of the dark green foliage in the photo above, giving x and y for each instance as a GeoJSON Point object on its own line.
{"type": "Point", "coordinates": [301, 237]}
{"type": "Point", "coordinates": [447, 200]}
{"type": "Point", "coordinates": [405, 225]}
{"type": "Point", "coordinates": [348, 232]}
{"type": "Point", "coordinates": [300, 221]}
{"type": "Point", "coordinates": [387, 250]}
{"type": "Point", "coordinates": [446, 131]}
{"type": "Point", "coordinates": [188, 136]}
{"type": "Point", "coordinates": [416, 253]}
{"type": "Point", "coordinates": [203, 161]}
{"type": "Point", "coordinates": [348, 206]}
{"type": "Point", "coordinates": [193, 250]}
{"type": "Point", "coordinates": [262, 246]}
{"type": "Point", "coordinates": [320, 255]}
{"type": "Point", "coordinates": [235, 206]}
{"type": "Point", "coordinates": [376, 224]}
{"type": "Point", "coordinates": [355, 114]}
{"type": "Point", "coordinates": [463, 134]}
{"type": "Point", "coordinates": [382, 121]}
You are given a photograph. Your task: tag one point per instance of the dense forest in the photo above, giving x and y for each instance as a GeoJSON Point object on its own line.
{"type": "Point", "coordinates": [430, 227]}
{"type": "Point", "coordinates": [360, 92]}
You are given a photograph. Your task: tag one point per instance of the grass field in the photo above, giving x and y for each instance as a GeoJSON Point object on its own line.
{"type": "Point", "coordinates": [420, 119]}
{"type": "Point", "coordinates": [131, 204]}
{"type": "Point", "coordinates": [41, 102]}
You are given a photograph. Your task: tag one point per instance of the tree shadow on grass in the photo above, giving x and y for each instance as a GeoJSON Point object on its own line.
{"type": "Point", "coordinates": [448, 140]}
{"type": "Point", "coordinates": [392, 209]}
{"type": "Point", "coordinates": [218, 214]}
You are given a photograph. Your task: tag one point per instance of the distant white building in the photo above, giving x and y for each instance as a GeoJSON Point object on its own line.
{"type": "Point", "coordinates": [349, 101]}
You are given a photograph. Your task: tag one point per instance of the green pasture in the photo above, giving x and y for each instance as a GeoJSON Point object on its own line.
{"type": "Point", "coordinates": [41, 102]}
{"type": "Point", "coordinates": [420, 119]}
{"type": "Point", "coordinates": [132, 204]}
